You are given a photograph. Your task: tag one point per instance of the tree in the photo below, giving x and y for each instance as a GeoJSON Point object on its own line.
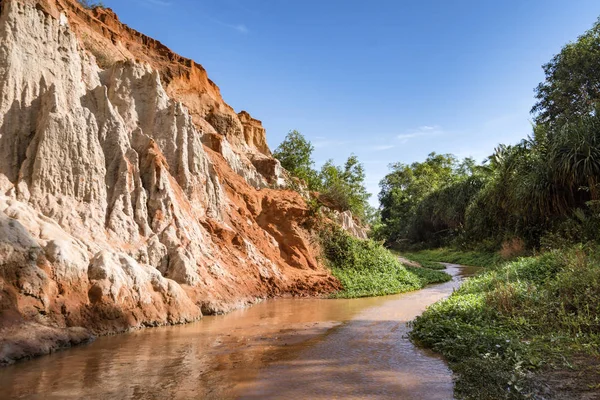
{"type": "Point", "coordinates": [572, 85]}
{"type": "Point", "coordinates": [345, 186]}
{"type": "Point", "coordinates": [295, 155]}
{"type": "Point", "coordinates": [549, 182]}
{"type": "Point", "coordinates": [91, 4]}
{"type": "Point", "coordinates": [342, 186]}
{"type": "Point", "coordinates": [407, 185]}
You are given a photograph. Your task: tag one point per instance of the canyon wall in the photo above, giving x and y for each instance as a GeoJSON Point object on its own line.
{"type": "Point", "coordinates": [131, 194]}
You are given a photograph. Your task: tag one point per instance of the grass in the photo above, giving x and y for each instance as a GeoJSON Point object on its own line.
{"type": "Point", "coordinates": [525, 316]}
{"type": "Point", "coordinates": [365, 268]}
{"type": "Point", "coordinates": [422, 260]}
{"type": "Point", "coordinates": [447, 255]}
{"type": "Point", "coordinates": [429, 276]}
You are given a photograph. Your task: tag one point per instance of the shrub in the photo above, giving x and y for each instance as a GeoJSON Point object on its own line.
{"type": "Point", "coordinates": [91, 4]}
{"type": "Point", "coordinates": [366, 268]}
{"type": "Point", "coordinates": [431, 257]}
{"type": "Point", "coordinates": [512, 248]}
{"type": "Point", "coordinates": [295, 155]}
{"type": "Point", "coordinates": [428, 276]}
{"type": "Point", "coordinates": [341, 187]}
{"type": "Point", "coordinates": [519, 317]}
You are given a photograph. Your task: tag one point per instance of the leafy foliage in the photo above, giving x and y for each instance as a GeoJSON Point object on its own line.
{"type": "Point", "coordinates": [523, 316]}
{"type": "Point", "coordinates": [295, 155]}
{"type": "Point", "coordinates": [426, 201]}
{"type": "Point", "coordinates": [539, 184]}
{"type": "Point", "coordinates": [531, 313]}
{"type": "Point", "coordinates": [91, 4]}
{"type": "Point", "coordinates": [572, 85]}
{"type": "Point", "coordinates": [345, 186]}
{"type": "Point", "coordinates": [366, 268]}
{"type": "Point", "coordinates": [342, 186]}
{"type": "Point", "coordinates": [433, 258]}
{"type": "Point", "coordinates": [540, 188]}
{"type": "Point", "coordinates": [427, 276]}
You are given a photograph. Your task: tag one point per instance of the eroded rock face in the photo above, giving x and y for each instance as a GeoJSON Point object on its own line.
{"type": "Point", "coordinates": [131, 195]}
{"type": "Point", "coordinates": [347, 221]}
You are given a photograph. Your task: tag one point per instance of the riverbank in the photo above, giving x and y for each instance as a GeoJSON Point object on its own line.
{"type": "Point", "coordinates": [281, 348]}
{"type": "Point", "coordinates": [365, 268]}
{"type": "Point", "coordinates": [433, 258]}
{"type": "Point", "coordinates": [528, 328]}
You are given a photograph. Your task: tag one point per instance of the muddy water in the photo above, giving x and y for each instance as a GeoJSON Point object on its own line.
{"type": "Point", "coordinates": [281, 349]}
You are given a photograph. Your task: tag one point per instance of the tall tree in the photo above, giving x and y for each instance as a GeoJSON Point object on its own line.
{"type": "Point", "coordinates": [572, 85]}
{"type": "Point", "coordinates": [407, 185]}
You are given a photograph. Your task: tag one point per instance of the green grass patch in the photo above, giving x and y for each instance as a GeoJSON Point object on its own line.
{"type": "Point", "coordinates": [522, 316]}
{"type": "Point", "coordinates": [366, 268]}
{"type": "Point", "coordinates": [421, 260]}
{"type": "Point", "coordinates": [452, 256]}
{"type": "Point", "coordinates": [429, 276]}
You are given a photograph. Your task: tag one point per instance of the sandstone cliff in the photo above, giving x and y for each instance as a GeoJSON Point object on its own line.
{"type": "Point", "coordinates": [131, 194]}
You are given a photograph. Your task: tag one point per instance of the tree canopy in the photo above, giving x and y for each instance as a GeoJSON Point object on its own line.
{"type": "Point", "coordinates": [546, 184]}
{"type": "Point", "coordinates": [572, 85]}
{"type": "Point", "coordinates": [343, 186]}
{"type": "Point", "coordinates": [295, 155]}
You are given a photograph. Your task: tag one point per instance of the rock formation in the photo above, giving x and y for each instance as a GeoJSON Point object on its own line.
{"type": "Point", "coordinates": [131, 194]}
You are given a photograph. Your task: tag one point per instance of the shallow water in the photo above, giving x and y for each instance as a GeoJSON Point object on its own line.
{"type": "Point", "coordinates": [280, 349]}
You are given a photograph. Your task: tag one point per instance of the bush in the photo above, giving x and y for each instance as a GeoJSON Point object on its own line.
{"type": "Point", "coordinates": [341, 187]}
{"type": "Point", "coordinates": [429, 258]}
{"type": "Point", "coordinates": [517, 318]}
{"type": "Point", "coordinates": [422, 260]}
{"type": "Point", "coordinates": [91, 4]}
{"type": "Point", "coordinates": [295, 155]}
{"type": "Point", "coordinates": [344, 187]}
{"type": "Point", "coordinates": [366, 268]}
{"type": "Point", "coordinates": [428, 276]}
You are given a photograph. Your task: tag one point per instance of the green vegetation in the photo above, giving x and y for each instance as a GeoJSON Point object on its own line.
{"type": "Point", "coordinates": [428, 276]}
{"type": "Point", "coordinates": [295, 155]}
{"type": "Point", "coordinates": [343, 188]}
{"type": "Point", "coordinates": [91, 4]}
{"type": "Point", "coordinates": [525, 316]}
{"type": "Point", "coordinates": [433, 257]}
{"type": "Point", "coordinates": [426, 201]}
{"type": "Point", "coordinates": [541, 192]}
{"type": "Point", "coordinates": [541, 197]}
{"type": "Point", "coordinates": [366, 268]}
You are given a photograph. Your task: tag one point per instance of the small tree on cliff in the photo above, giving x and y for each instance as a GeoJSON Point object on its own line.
{"type": "Point", "coordinates": [345, 186]}
{"type": "Point", "coordinates": [91, 4]}
{"type": "Point", "coordinates": [295, 155]}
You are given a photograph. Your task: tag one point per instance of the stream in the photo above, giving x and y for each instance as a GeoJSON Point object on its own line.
{"type": "Point", "coordinates": [278, 349]}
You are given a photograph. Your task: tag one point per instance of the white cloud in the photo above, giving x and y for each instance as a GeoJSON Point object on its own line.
{"type": "Point", "coordinates": [241, 28]}
{"type": "Point", "coordinates": [383, 147]}
{"type": "Point", "coordinates": [425, 130]}
{"type": "Point", "coordinates": [406, 136]}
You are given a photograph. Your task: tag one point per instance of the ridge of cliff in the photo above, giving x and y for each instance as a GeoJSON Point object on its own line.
{"type": "Point", "coordinates": [131, 194]}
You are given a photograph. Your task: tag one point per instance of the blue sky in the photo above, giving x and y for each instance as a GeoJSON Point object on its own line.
{"type": "Point", "coordinates": [388, 80]}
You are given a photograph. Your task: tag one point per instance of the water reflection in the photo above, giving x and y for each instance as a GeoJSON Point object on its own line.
{"type": "Point", "coordinates": [286, 348]}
